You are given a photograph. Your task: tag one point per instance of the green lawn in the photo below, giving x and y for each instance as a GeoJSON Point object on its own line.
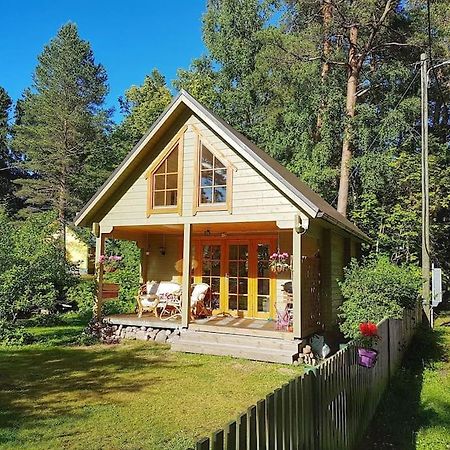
{"type": "Point", "coordinates": [134, 395]}
{"type": "Point", "coordinates": [415, 412]}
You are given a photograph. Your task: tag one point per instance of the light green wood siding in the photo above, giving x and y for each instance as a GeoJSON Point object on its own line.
{"type": "Point", "coordinates": [163, 267]}
{"type": "Point", "coordinates": [253, 198]}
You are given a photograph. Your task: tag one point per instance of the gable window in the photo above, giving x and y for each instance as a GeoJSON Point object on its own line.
{"type": "Point", "coordinates": [213, 182]}
{"type": "Point", "coordinates": [165, 182]}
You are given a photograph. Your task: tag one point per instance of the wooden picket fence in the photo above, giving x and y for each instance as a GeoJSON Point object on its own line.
{"type": "Point", "coordinates": [328, 408]}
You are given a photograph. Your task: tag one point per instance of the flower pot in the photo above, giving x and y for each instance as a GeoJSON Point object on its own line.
{"type": "Point", "coordinates": [367, 357]}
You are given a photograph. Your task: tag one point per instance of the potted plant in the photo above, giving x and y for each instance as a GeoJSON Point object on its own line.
{"type": "Point", "coordinates": [368, 335]}
{"type": "Point", "coordinates": [278, 262]}
{"type": "Point", "coordinates": [110, 262]}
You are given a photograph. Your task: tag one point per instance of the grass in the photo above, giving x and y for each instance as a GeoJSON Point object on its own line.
{"type": "Point", "coordinates": [415, 411]}
{"type": "Point", "coordinates": [135, 395]}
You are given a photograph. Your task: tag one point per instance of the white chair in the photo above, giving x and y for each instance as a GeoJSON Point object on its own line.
{"type": "Point", "coordinates": [198, 307]}
{"type": "Point", "coordinates": [169, 297]}
{"type": "Point", "coordinates": [153, 295]}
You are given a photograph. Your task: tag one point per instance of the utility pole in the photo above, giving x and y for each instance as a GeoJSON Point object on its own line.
{"type": "Point", "coordinates": [425, 190]}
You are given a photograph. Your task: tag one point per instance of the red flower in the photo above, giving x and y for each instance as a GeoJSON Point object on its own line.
{"type": "Point", "coordinates": [368, 329]}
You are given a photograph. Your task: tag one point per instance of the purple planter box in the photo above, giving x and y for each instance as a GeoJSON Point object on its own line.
{"type": "Point", "coordinates": [367, 357]}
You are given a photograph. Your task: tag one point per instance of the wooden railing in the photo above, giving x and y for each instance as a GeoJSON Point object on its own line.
{"type": "Point", "coordinates": [328, 408]}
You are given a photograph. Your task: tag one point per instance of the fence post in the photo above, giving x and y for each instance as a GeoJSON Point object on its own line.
{"type": "Point", "coordinates": [388, 338]}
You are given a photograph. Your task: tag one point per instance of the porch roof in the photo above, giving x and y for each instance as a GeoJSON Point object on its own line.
{"type": "Point", "coordinates": [282, 179]}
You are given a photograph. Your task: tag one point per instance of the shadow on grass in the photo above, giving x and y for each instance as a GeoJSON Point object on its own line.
{"type": "Point", "coordinates": [39, 383]}
{"type": "Point", "coordinates": [401, 413]}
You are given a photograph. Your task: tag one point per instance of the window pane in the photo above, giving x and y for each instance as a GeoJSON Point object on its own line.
{"type": "Point", "coordinates": [263, 304]}
{"type": "Point", "coordinates": [171, 198]}
{"type": "Point", "coordinates": [242, 302]}
{"type": "Point", "coordinates": [263, 287]}
{"type": "Point", "coordinates": [233, 269]}
{"type": "Point", "coordinates": [232, 302]}
{"type": "Point", "coordinates": [161, 168]}
{"type": "Point", "coordinates": [206, 195]}
{"type": "Point", "coordinates": [243, 268]}
{"type": "Point", "coordinates": [243, 286]}
{"type": "Point", "coordinates": [159, 199]}
{"type": "Point", "coordinates": [206, 178]}
{"type": "Point", "coordinates": [220, 195]}
{"type": "Point", "coordinates": [232, 285]}
{"type": "Point", "coordinates": [220, 177]}
{"type": "Point", "coordinates": [172, 160]}
{"type": "Point", "coordinates": [233, 252]}
{"type": "Point", "coordinates": [215, 268]}
{"type": "Point", "coordinates": [160, 182]}
{"type": "Point", "coordinates": [172, 181]}
{"type": "Point", "coordinates": [218, 163]}
{"type": "Point", "coordinates": [215, 284]}
{"type": "Point", "coordinates": [207, 158]}
{"type": "Point", "coordinates": [243, 252]}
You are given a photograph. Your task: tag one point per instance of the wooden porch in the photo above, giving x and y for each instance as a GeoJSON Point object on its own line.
{"type": "Point", "coordinates": [214, 324]}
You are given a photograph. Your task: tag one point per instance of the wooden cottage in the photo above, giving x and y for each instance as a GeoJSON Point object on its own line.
{"type": "Point", "coordinates": [204, 204]}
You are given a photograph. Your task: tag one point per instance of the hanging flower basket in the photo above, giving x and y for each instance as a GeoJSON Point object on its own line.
{"type": "Point", "coordinates": [278, 262]}
{"type": "Point", "coordinates": [110, 263]}
{"type": "Point", "coordinates": [367, 356]}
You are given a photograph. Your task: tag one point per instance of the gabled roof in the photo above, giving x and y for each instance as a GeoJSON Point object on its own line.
{"type": "Point", "coordinates": [282, 179]}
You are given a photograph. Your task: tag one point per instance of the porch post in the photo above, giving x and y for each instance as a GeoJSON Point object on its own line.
{"type": "Point", "coordinates": [297, 281]}
{"type": "Point", "coordinates": [99, 250]}
{"type": "Point", "coordinates": [186, 283]}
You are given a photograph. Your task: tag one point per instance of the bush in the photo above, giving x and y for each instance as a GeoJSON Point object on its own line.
{"type": "Point", "coordinates": [375, 290]}
{"type": "Point", "coordinates": [127, 277]}
{"type": "Point", "coordinates": [33, 271]}
{"type": "Point", "coordinates": [83, 294]}
{"type": "Point", "coordinates": [12, 334]}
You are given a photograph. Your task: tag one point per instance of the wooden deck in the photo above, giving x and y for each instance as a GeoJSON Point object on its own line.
{"type": "Point", "coordinates": [214, 324]}
{"type": "Point", "coordinates": [238, 325]}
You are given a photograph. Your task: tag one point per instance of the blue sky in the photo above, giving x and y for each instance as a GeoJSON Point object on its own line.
{"type": "Point", "coordinates": [129, 37]}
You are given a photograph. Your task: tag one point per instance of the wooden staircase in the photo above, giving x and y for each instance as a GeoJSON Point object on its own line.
{"type": "Point", "coordinates": [240, 346]}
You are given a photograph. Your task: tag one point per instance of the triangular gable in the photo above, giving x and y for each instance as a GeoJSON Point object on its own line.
{"type": "Point", "coordinates": [284, 181]}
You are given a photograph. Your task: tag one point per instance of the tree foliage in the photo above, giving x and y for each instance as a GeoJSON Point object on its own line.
{"type": "Point", "coordinates": [279, 73]}
{"type": "Point", "coordinates": [61, 127]}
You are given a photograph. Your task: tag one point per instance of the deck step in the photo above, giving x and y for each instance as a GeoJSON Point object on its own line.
{"type": "Point", "coordinates": [248, 347]}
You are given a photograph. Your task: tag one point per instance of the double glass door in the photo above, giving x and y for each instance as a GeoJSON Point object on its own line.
{"type": "Point", "coordinates": [239, 276]}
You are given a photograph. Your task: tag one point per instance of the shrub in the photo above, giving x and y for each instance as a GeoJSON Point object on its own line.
{"type": "Point", "coordinates": [375, 290]}
{"type": "Point", "coordinates": [127, 276]}
{"type": "Point", "coordinates": [83, 294]}
{"type": "Point", "coordinates": [33, 270]}
{"type": "Point", "coordinates": [13, 334]}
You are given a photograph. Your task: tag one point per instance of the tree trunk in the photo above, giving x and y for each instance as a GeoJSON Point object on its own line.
{"type": "Point", "coordinates": [327, 15]}
{"type": "Point", "coordinates": [354, 68]}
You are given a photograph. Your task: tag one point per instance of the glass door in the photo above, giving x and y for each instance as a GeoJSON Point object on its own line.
{"type": "Point", "coordinates": [264, 289]}
{"type": "Point", "coordinates": [238, 278]}
{"type": "Point", "coordinates": [210, 271]}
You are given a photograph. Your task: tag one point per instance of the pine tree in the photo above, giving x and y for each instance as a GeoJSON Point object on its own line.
{"type": "Point", "coordinates": [61, 131]}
